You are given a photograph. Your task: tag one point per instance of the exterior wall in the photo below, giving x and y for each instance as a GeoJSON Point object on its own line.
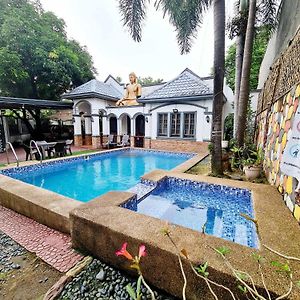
{"type": "Point", "coordinates": [277, 104]}
{"type": "Point", "coordinates": [203, 128]}
{"type": "Point", "coordinates": [77, 140]}
{"type": "Point", "coordinates": [92, 107]}
{"type": "Point", "coordinates": [288, 24]}
{"type": "Point", "coordinates": [178, 145]}
{"type": "Point", "coordinates": [273, 133]}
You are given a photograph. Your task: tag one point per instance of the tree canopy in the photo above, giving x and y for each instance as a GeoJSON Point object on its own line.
{"type": "Point", "coordinates": [37, 60]}
{"type": "Point", "coordinates": [259, 48]}
{"type": "Point", "coordinates": [149, 80]}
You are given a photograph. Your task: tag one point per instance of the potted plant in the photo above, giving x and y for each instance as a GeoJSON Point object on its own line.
{"type": "Point", "coordinates": [252, 165]}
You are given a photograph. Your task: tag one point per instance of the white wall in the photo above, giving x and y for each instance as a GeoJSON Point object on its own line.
{"type": "Point", "coordinates": [202, 127]}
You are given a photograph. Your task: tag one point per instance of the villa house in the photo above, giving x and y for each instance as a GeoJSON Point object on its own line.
{"type": "Point", "coordinates": [176, 114]}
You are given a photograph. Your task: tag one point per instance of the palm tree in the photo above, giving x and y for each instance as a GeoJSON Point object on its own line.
{"type": "Point", "coordinates": [186, 17]}
{"type": "Point", "coordinates": [219, 61]}
{"type": "Point", "coordinates": [261, 12]}
{"type": "Point", "coordinates": [237, 28]}
{"type": "Point", "coordinates": [244, 88]}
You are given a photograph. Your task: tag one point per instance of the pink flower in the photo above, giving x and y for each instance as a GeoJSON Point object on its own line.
{"type": "Point", "coordinates": [123, 252]}
{"type": "Point", "coordinates": [142, 251]}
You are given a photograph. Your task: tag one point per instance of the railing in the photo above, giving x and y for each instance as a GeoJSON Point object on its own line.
{"type": "Point", "coordinates": [13, 151]}
{"type": "Point", "coordinates": [37, 148]}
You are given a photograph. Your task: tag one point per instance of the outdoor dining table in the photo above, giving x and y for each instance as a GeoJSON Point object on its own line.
{"type": "Point", "coordinates": [46, 147]}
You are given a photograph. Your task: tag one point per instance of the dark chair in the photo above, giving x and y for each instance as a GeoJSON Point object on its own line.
{"type": "Point", "coordinates": [60, 149]}
{"type": "Point", "coordinates": [28, 154]}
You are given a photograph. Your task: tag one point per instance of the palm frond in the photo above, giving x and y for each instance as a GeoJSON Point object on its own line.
{"type": "Point", "coordinates": [133, 14]}
{"type": "Point", "coordinates": [238, 23]}
{"type": "Point", "coordinates": [266, 13]}
{"type": "Point", "coordinates": [186, 17]}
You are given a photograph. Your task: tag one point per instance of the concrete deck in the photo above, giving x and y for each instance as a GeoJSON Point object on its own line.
{"type": "Point", "coordinates": [101, 226]}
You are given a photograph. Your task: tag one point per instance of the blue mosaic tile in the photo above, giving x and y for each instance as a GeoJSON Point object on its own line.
{"type": "Point", "coordinates": [173, 198]}
{"type": "Point", "coordinates": [57, 163]}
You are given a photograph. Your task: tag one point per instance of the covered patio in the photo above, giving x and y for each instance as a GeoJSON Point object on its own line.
{"type": "Point", "coordinates": [23, 105]}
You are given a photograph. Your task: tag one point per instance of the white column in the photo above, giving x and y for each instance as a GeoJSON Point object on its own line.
{"type": "Point", "coordinates": [95, 126]}
{"type": "Point", "coordinates": [88, 125]}
{"type": "Point", "coordinates": [148, 126]}
{"type": "Point", "coordinates": [132, 127]}
{"type": "Point", "coordinates": [119, 126]}
{"type": "Point", "coordinates": [77, 125]}
{"type": "Point", "coordinates": [105, 125]}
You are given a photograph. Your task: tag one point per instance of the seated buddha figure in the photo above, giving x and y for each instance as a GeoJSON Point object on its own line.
{"type": "Point", "coordinates": [132, 92]}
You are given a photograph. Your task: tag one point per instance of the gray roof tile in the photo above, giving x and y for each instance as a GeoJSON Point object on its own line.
{"type": "Point", "coordinates": [95, 87]}
{"type": "Point", "coordinates": [186, 84]}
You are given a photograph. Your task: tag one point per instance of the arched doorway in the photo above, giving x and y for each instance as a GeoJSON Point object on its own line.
{"type": "Point", "coordinates": [83, 108]}
{"type": "Point", "coordinates": [139, 131]}
{"type": "Point", "coordinates": [113, 125]}
{"type": "Point", "coordinates": [140, 125]}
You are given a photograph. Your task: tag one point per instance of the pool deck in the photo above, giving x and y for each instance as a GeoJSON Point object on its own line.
{"type": "Point", "coordinates": [101, 226]}
{"type": "Point", "coordinates": [115, 225]}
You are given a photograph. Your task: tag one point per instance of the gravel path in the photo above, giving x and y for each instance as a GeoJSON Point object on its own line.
{"type": "Point", "coordinates": [100, 281]}
{"type": "Point", "coordinates": [8, 250]}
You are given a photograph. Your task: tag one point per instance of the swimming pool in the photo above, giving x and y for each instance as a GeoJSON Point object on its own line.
{"type": "Point", "coordinates": [200, 206]}
{"type": "Point", "coordinates": [84, 178]}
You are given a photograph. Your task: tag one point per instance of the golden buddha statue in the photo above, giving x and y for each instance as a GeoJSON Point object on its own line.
{"type": "Point", "coordinates": [133, 91]}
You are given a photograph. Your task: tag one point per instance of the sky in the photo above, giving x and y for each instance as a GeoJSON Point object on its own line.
{"type": "Point", "coordinates": [97, 24]}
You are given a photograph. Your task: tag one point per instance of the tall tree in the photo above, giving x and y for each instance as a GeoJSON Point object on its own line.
{"type": "Point", "coordinates": [244, 88]}
{"type": "Point", "coordinates": [219, 66]}
{"type": "Point", "coordinates": [237, 27]}
{"type": "Point", "coordinates": [261, 12]}
{"type": "Point", "coordinates": [37, 60]}
{"type": "Point", "coordinates": [260, 44]}
{"type": "Point", "coordinates": [186, 16]}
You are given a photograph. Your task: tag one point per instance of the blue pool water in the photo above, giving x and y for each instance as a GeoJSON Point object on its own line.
{"type": "Point", "coordinates": [194, 205]}
{"type": "Point", "coordinates": [85, 179]}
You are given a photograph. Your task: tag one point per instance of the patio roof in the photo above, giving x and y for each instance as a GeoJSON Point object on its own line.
{"type": "Point", "coordinates": [10, 103]}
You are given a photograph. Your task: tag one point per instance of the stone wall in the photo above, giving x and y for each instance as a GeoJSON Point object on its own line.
{"type": "Point", "coordinates": [276, 109]}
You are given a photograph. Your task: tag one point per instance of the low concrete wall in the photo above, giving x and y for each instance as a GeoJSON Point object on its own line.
{"type": "Point", "coordinates": [45, 207]}
{"type": "Point", "coordinates": [179, 145]}
{"type": "Point", "coordinates": [101, 226]}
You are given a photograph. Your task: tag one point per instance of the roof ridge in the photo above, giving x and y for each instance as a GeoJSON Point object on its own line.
{"type": "Point", "coordinates": [111, 86]}
{"type": "Point", "coordinates": [167, 83]}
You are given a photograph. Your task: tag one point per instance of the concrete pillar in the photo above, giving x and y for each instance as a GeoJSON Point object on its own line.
{"type": "Point", "coordinates": [147, 126]}
{"type": "Point", "coordinates": [105, 125]}
{"type": "Point", "coordinates": [96, 140]}
{"type": "Point", "coordinates": [132, 127]}
{"type": "Point", "coordinates": [88, 130]}
{"type": "Point", "coordinates": [77, 130]}
{"type": "Point", "coordinates": [119, 130]}
{"type": "Point", "coordinates": [88, 124]}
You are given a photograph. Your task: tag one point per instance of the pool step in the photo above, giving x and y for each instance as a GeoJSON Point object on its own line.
{"type": "Point", "coordinates": [141, 190]}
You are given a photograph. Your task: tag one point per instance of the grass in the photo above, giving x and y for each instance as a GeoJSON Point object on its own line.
{"type": "Point", "coordinates": [76, 153]}
{"type": "Point", "coordinates": [203, 168]}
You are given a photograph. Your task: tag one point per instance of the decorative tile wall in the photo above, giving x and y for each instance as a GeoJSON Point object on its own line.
{"type": "Point", "coordinates": [274, 130]}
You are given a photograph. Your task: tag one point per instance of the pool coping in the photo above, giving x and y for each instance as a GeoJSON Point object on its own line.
{"type": "Point", "coordinates": [47, 207]}
{"type": "Point", "coordinates": [115, 225]}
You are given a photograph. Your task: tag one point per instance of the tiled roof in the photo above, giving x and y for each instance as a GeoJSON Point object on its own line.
{"type": "Point", "coordinates": [95, 88]}
{"type": "Point", "coordinates": [187, 84]}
